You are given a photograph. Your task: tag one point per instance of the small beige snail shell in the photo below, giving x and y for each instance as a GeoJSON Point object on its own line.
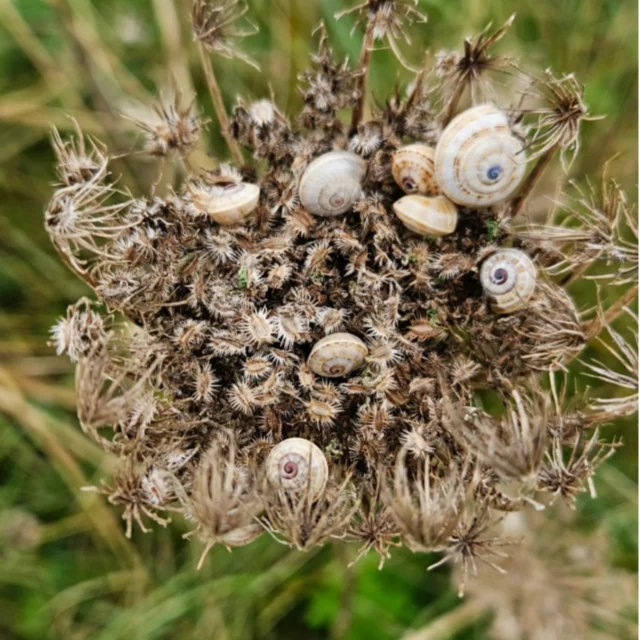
{"type": "Point", "coordinates": [332, 183]}
{"type": "Point", "coordinates": [508, 278]}
{"type": "Point", "coordinates": [227, 200]}
{"type": "Point", "coordinates": [413, 169]}
{"type": "Point", "coordinates": [297, 465]}
{"type": "Point", "coordinates": [436, 216]}
{"type": "Point", "coordinates": [242, 535]}
{"type": "Point", "coordinates": [479, 162]}
{"type": "Point", "coordinates": [337, 355]}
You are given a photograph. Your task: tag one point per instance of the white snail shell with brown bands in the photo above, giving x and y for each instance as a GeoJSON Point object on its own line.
{"type": "Point", "coordinates": [413, 169]}
{"type": "Point", "coordinates": [479, 162]}
{"type": "Point", "coordinates": [435, 216]}
{"type": "Point", "coordinates": [332, 183]}
{"type": "Point", "coordinates": [296, 465]}
{"type": "Point", "coordinates": [227, 202]}
{"type": "Point", "coordinates": [337, 355]}
{"type": "Point", "coordinates": [508, 278]}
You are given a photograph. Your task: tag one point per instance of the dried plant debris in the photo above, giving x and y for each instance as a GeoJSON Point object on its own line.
{"type": "Point", "coordinates": [278, 347]}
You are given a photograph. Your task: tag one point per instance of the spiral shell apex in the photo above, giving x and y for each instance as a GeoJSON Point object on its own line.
{"type": "Point", "coordinates": [297, 465]}
{"type": "Point", "coordinates": [228, 202]}
{"type": "Point", "coordinates": [436, 216]}
{"type": "Point", "coordinates": [332, 183]}
{"type": "Point", "coordinates": [508, 278]}
{"type": "Point", "coordinates": [337, 355]}
{"type": "Point", "coordinates": [413, 169]}
{"type": "Point", "coordinates": [479, 162]}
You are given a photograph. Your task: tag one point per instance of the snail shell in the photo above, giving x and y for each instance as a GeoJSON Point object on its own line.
{"type": "Point", "coordinates": [413, 168]}
{"type": "Point", "coordinates": [297, 465]}
{"type": "Point", "coordinates": [436, 216]}
{"type": "Point", "coordinates": [228, 202]}
{"type": "Point", "coordinates": [332, 183]}
{"type": "Point", "coordinates": [242, 535]}
{"type": "Point", "coordinates": [508, 278]}
{"type": "Point", "coordinates": [479, 162]}
{"type": "Point", "coordinates": [337, 355]}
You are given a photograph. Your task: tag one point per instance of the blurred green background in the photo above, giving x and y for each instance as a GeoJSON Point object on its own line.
{"type": "Point", "coordinates": [66, 569]}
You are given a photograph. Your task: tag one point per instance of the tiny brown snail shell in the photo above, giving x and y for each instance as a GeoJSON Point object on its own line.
{"type": "Point", "coordinates": [508, 278]}
{"type": "Point", "coordinates": [297, 465]}
{"type": "Point", "coordinates": [225, 198]}
{"type": "Point", "coordinates": [413, 169]}
{"type": "Point", "coordinates": [436, 216]}
{"type": "Point", "coordinates": [479, 162]}
{"type": "Point", "coordinates": [332, 183]}
{"type": "Point", "coordinates": [337, 355]}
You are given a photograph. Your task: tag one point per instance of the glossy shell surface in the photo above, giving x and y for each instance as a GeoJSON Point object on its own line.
{"type": "Point", "coordinates": [479, 162]}
{"type": "Point", "coordinates": [337, 355]}
{"type": "Point", "coordinates": [427, 216]}
{"type": "Point", "coordinates": [413, 169]}
{"type": "Point", "coordinates": [508, 278]}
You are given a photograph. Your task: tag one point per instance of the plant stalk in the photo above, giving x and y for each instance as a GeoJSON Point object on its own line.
{"type": "Point", "coordinates": [532, 179]}
{"type": "Point", "coordinates": [363, 79]}
{"type": "Point", "coordinates": [218, 103]}
{"type": "Point", "coordinates": [449, 624]}
{"type": "Point", "coordinates": [453, 104]}
{"type": "Point", "coordinates": [592, 329]}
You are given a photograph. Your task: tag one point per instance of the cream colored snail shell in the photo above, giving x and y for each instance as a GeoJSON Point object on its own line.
{"type": "Point", "coordinates": [332, 183]}
{"type": "Point", "coordinates": [296, 465]}
{"type": "Point", "coordinates": [337, 355]}
{"type": "Point", "coordinates": [242, 535]}
{"type": "Point", "coordinates": [479, 162]}
{"type": "Point", "coordinates": [436, 216]}
{"type": "Point", "coordinates": [413, 169]}
{"type": "Point", "coordinates": [228, 203]}
{"type": "Point", "coordinates": [508, 278]}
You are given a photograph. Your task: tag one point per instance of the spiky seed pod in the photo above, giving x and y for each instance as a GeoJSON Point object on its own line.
{"type": "Point", "coordinates": [508, 278]}
{"type": "Point", "coordinates": [337, 355]}
{"type": "Point", "coordinates": [436, 216]}
{"type": "Point", "coordinates": [413, 169]}
{"type": "Point", "coordinates": [332, 183]}
{"type": "Point", "coordinates": [479, 162]}
{"type": "Point", "coordinates": [297, 465]}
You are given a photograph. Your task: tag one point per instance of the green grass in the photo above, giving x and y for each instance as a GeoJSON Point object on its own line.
{"type": "Point", "coordinates": [83, 579]}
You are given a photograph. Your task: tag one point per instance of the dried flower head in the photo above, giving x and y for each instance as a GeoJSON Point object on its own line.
{"type": "Point", "coordinates": [373, 343]}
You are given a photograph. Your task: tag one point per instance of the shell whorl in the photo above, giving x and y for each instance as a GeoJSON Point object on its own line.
{"type": "Point", "coordinates": [228, 202]}
{"type": "Point", "coordinates": [332, 183]}
{"type": "Point", "coordinates": [297, 465]}
{"type": "Point", "coordinates": [508, 278]}
{"type": "Point", "coordinates": [479, 162]}
{"type": "Point", "coordinates": [413, 169]}
{"type": "Point", "coordinates": [436, 216]}
{"type": "Point", "coordinates": [337, 355]}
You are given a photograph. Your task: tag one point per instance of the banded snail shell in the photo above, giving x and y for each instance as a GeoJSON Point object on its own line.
{"type": "Point", "coordinates": [332, 183]}
{"type": "Point", "coordinates": [436, 216]}
{"type": "Point", "coordinates": [479, 162]}
{"type": "Point", "coordinates": [508, 278]}
{"type": "Point", "coordinates": [226, 199]}
{"type": "Point", "coordinates": [337, 355]}
{"type": "Point", "coordinates": [297, 465]}
{"type": "Point", "coordinates": [413, 169]}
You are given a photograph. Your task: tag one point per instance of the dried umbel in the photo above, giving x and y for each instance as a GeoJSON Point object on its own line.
{"type": "Point", "coordinates": [303, 347]}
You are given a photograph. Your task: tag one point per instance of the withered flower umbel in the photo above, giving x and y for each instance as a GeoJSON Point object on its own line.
{"type": "Point", "coordinates": [281, 306]}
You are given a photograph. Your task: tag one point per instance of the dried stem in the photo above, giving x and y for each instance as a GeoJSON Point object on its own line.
{"type": "Point", "coordinates": [363, 78]}
{"type": "Point", "coordinates": [342, 622]}
{"type": "Point", "coordinates": [532, 179]}
{"type": "Point", "coordinates": [218, 103]}
{"type": "Point", "coordinates": [448, 625]}
{"type": "Point", "coordinates": [592, 329]}
{"type": "Point", "coordinates": [452, 105]}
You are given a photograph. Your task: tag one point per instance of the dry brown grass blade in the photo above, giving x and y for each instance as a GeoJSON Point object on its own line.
{"type": "Point", "coordinates": [104, 524]}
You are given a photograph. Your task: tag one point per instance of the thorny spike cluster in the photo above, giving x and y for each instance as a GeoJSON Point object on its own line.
{"type": "Point", "coordinates": [195, 368]}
